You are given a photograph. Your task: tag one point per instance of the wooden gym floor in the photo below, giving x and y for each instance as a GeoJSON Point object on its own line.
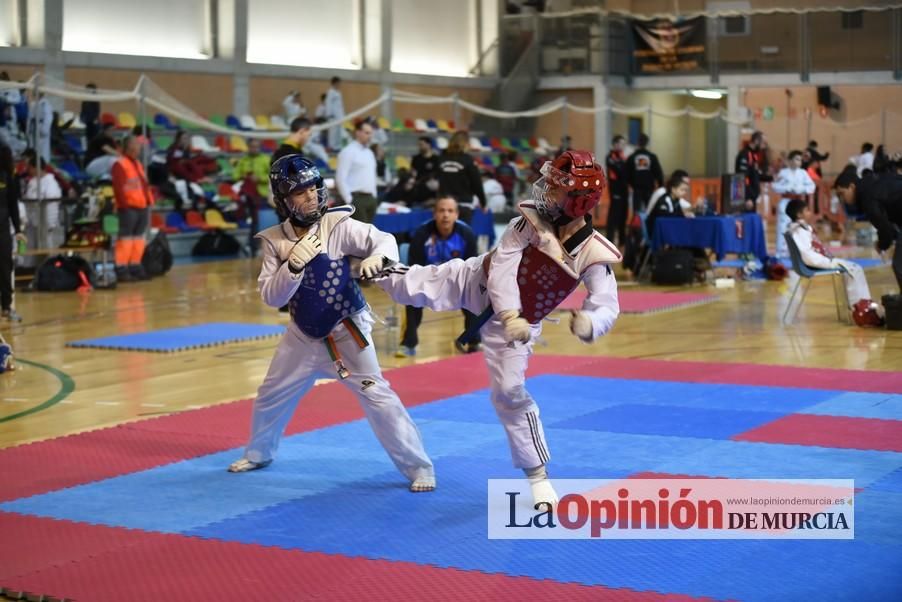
{"type": "Point", "coordinates": [58, 390]}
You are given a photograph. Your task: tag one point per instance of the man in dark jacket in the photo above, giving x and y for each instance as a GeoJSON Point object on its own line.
{"type": "Point", "coordinates": [881, 199]}
{"type": "Point", "coordinates": [749, 162]}
{"type": "Point", "coordinates": [618, 191]}
{"type": "Point", "coordinates": [644, 174]}
{"type": "Point", "coordinates": [9, 222]}
{"type": "Point", "coordinates": [439, 240]}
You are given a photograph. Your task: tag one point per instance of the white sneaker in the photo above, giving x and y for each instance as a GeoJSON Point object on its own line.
{"type": "Point", "coordinates": [245, 465]}
{"type": "Point", "coordinates": [423, 484]}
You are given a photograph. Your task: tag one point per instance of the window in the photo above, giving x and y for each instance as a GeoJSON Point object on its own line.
{"type": "Point", "coordinates": [734, 26]}
{"type": "Point", "coordinates": [852, 20]}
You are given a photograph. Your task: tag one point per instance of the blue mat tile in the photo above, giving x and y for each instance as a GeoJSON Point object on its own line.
{"type": "Point", "coordinates": [175, 339]}
{"type": "Point", "coordinates": [884, 406]}
{"type": "Point", "coordinates": [334, 490]}
{"type": "Point", "coordinates": [669, 420]}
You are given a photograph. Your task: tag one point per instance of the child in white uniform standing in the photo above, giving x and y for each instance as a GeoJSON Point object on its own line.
{"type": "Point", "coordinates": [541, 258]}
{"type": "Point", "coordinates": [792, 183]}
{"type": "Point", "coordinates": [306, 266]}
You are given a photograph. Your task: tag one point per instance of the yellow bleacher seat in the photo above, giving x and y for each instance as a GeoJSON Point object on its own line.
{"type": "Point", "coordinates": [333, 162]}
{"type": "Point", "coordinates": [263, 122]}
{"type": "Point", "coordinates": [127, 120]}
{"type": "Point", "coordinates": [215, 219]}
{"type": "Point", "coordinates": [384, 123]}
{"type": "Point", "coordinates": [443, 125]}
{"type": "Point", "coordinates": [237, 144]}
{"type": "Point", "coordinates": [402, 162]}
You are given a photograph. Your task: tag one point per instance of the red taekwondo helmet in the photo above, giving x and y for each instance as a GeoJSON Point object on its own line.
{"type": "Point", "coordinates": [570, 186]}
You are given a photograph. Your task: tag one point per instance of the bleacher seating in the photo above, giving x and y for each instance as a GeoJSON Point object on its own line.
{"type": "Point", "coordinates": [127, 120]}
{"type": "Point", "coordinates": [277, 122]}
{"type": "Point", "coordinates": [163, 121]}
{"type": "Point", "coordinates": [157, 221]}
{"type": "Point", "coordinates": [247, 122]}
{"type": "Point", "coordinates": [233, 122]}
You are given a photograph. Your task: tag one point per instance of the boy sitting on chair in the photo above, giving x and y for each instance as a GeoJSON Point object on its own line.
{"type": "Point", "coordinates": [865, 311]}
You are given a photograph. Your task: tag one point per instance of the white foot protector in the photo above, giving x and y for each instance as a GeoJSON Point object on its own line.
{"type": "Point", "coordinates": [543, 493]}
{"type": "Point", "coordinates": [423, 484]}
{"type": "Point", "coordinates": [245, 465]}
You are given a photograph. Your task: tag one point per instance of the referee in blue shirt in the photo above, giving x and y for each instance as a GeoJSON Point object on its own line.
{"type": "Point", "coordinates": [439, 240]}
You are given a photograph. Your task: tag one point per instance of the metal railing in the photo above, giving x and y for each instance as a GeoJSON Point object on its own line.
{"type": "Point", "coordinates": [760, 43]}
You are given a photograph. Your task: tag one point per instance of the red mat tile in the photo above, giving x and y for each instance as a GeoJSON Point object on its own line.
{"type": "Point", "coordinates": [36, 468]}
{"type": "Point", "coordinates": [173, 567]}
{"type": "Point", "coordinates": [29, 543]}
{"type": "Point", "coordinates": [741, 374]}
{"type": "Point", "coordinates": [829, 431]}
{"type": "Point", "coordinates": [641, 302]}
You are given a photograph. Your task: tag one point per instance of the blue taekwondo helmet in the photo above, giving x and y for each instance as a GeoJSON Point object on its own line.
{"type": "Point", "coordinates": [293, 173]}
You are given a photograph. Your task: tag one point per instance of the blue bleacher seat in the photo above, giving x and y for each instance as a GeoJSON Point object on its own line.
{"type": "Point", "coordinates": [74, 171]}
{"type": "Point", "coordinates": [175, 220]}
{"type": "Point", "coordinates": [432, 124]}
{"type": "Point", "coordinates": [163, 121]}
{"type": "Point", "coordinates": [233, 122]}
{"type": "Point", "coordinates": [74, 142]}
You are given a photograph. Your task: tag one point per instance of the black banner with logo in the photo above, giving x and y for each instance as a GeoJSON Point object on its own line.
{"type": "Point", "coordinates": [665, 46]}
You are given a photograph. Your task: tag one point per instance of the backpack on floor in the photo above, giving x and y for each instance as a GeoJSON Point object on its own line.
{"type": "Point", "coordinates": [216, 243]}
{"type": "Point", "coordinates": [64, 273]}
{"type": "Point", "coordinates": [673, 266]}
{"type": "Point", "coordinates": [157, 259]}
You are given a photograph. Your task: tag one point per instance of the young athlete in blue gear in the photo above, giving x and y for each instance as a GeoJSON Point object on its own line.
{"type": "Point", "coordinates": [306, 265]}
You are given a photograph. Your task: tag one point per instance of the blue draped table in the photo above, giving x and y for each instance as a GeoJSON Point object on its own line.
{"type": "Point", "coordinates": [740, 234]}
{"type": "Point", "coordinates": [401, 223]}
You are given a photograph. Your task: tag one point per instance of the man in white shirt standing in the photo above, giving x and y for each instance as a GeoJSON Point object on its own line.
{"type": "Point", "coordinates": [355, 177]}
{"type": "Point", "coordinates": [335, 110]}
{"type": "Point", "coordinates": [865, 160]}
{"type": "Point", "coordinates": [792, 183]}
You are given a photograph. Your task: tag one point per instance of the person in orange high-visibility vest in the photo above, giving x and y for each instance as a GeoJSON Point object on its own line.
{"type": "Point", "coordinates": [133, 198]}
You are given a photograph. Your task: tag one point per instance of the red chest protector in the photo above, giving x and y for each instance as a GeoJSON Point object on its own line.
{"type": "Point", "coordinates": [543, 285]}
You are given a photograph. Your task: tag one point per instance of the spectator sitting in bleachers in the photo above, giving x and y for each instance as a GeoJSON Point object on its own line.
{"type": "Point", "coordinates": [404, 191]}
{"type": "Point", "coordinates": [506, 174]}
{"type": "Point", "coordinates": [90, 114]}
{"type": "Point", "coordinates": [253, 169]}
{"type": "Point", "coordinates": [102, 153]}
{"type": "Point", "coordinates": [188, 170]}
{"type": "Point", "coordinates": [63, 182]}
{"type": "Point", "coordinates": [496, 200]}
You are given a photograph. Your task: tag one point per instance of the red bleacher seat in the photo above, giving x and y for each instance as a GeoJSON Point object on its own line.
{"type": "Point", "coordinates": [269, 145]}
{"type": "Point", "coordinates": [109, 118]}
{"type": "Point", "coordinates": [222, 143]}
{"type": "Point", "coordinates": [225, 190]}
{"type": "Point", "coordinates": [196, 220]}
{"type": "Point", "coordinates": [409, 125]}
{"type": "Point", "coordinates": [157, 221]}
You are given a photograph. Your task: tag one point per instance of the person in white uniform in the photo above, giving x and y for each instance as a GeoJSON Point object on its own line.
{"type": "Point", "coordinates": [792, 183]}
{"type": "Point", "coordinates": [541, 258]}
{"type": "Point", "coordinates": [306, 265]}
{"type": "Point", "coordinates": [335, 110]}
{"type": "Point", "coordinates": [865, 311]}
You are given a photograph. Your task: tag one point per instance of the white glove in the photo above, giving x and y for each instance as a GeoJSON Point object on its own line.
{"type": "Point", "coordinates": [303, 252]}
{"type": "Point", "coordinates": [581, 326]}
{"type": "Point", "coordinates": [371, 266]}
{"type": "Point", "coordinates": [515, 327]}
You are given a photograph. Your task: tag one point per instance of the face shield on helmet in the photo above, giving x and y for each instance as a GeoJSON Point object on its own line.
{"type": "Point", "coordinates": [292, 174]}
{"type": "Point", "coordinates": [570, 187]}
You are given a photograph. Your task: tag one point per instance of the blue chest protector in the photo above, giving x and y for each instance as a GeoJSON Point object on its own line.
{"type": "Point", "coordinates": [327, 296]}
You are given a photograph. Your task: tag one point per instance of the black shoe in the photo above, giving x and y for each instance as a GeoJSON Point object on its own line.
{"type": "Point", "coordinates": [123, 274]}
{"type": "Point", "coordinates": [137, 272]}
{"type": "Point", "coordinates": [283, 309]}
{"type": "Point", "coordinates": [474, 347]}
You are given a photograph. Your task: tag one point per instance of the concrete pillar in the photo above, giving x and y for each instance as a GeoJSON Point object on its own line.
{"type": "Point", "coordinates": [241, 85]}
{"type": "Point", "coordinates": [388, 109]}
{"type": "Point", "coordinates": [602, 120]}
{"type": "Point", "coordinates": [735, 111]}
{"type": "Point", "coordinates": [55, 65]}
